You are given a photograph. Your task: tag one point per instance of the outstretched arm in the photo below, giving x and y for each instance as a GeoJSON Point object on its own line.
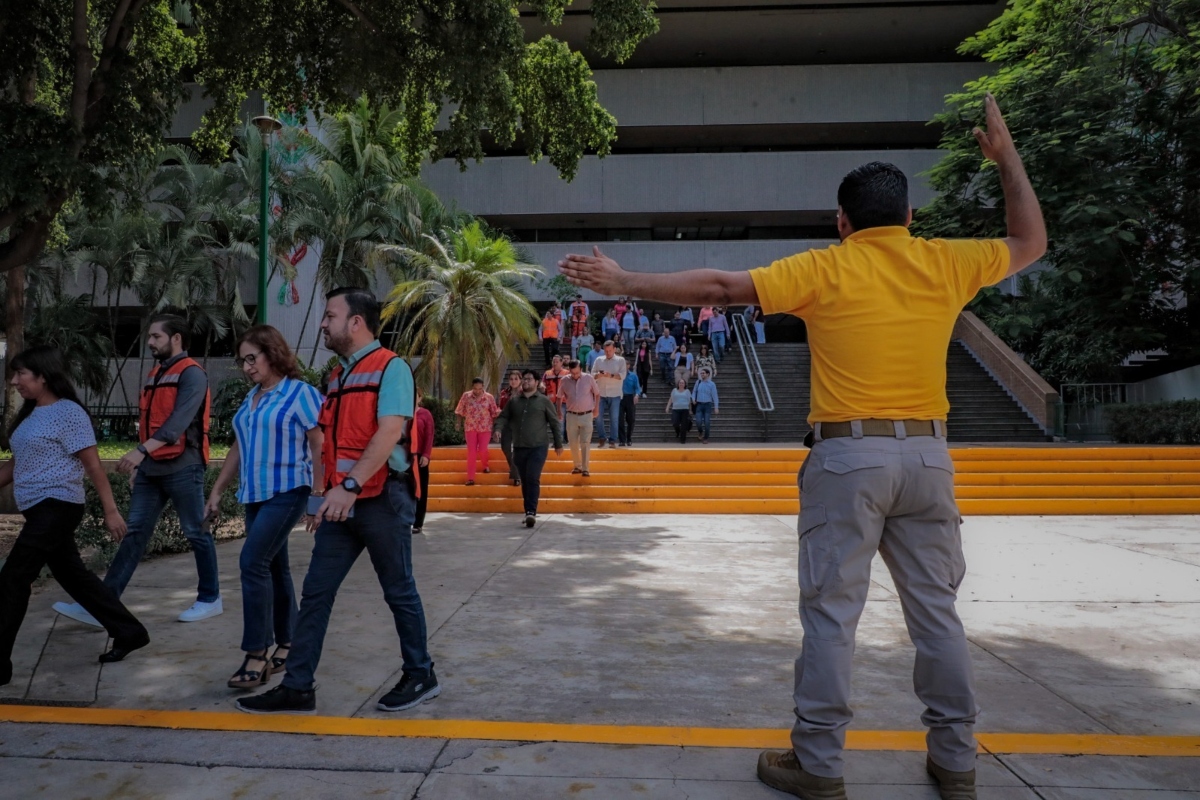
{"type": "Point", "coordinates": [706, 287]}
{"type": "Point", "coordinates": [1026, 238]}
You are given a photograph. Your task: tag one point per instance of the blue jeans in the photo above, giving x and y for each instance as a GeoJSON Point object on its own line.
{"type": "Point", "coordinates": [703, 415]}
{"type": "Point", "coordinates": [665, 370]}
{"type": "Point", "coordinates": [382, 525]}
{"type": "Point", "coordinates": [529, 462]}
{"type": "Point", "coordinates": [268, 596]}
{"type": "Point", "coordinates": [610, 414]}
{"type": "Point", "coordinates": [185, 490]}
{"type": "Point", "coordinates": [718, 343]}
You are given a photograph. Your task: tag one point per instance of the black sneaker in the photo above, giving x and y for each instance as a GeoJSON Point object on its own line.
{"type": "Point", "coordinates": [280, 700]}
{"type": "Point", "coordinates": [410, 691]}
{"type": "Point", "coordinates": [530, 520]}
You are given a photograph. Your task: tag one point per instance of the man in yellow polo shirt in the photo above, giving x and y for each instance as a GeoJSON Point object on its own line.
{"type": "Point", "coordinates": [880, 308]}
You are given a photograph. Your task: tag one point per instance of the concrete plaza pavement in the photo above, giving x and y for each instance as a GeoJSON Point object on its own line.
{"type": "Point", "coordinates": [1079, 625]}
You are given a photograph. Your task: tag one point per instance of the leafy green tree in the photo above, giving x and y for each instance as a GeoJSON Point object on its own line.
{"type": "Point", "coordinates": [88, 86]}
{"type": "Point", "coordinates": [464, 311]}
{"type": "Point", "coordinates": [1102, 98]}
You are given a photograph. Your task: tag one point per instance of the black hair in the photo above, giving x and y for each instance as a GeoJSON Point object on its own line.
{"type": "Point", "coordinates": [362, 304]}
{"type": "Point", "coordinates": [477, 380]}
{"type": "Point", "coordinates": [45, 362]}
{"type": "Point", "coordinates": [173, 324]}
{"type": "Point", "coordinates": [874, 195]}
{"type": "Point", "coordinates": [530, 373]}
{"type": "Point", "coordinates": [573, 363]}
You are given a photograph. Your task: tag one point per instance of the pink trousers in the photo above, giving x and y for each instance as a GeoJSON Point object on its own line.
{"type": "Point", "coordinates": [477, 443]}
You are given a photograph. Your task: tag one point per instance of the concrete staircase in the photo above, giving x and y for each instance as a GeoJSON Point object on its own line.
{"type": "Point", "coordinates": [762, 480]}
{"type": "Point", "coordinates": [980, 408]}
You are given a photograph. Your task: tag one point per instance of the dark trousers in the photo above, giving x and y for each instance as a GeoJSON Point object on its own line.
{"type": "Point", "coordinates": [506, 447]}
{"type": "Point", "coordinates": [530, 462]}
{"type": "Point", "coordinates": [185, 490]}
{"type": "Point", "coordinates": [643, 373]}
{"type": "Point", "coordinates": [681, 421]}
{"type": "Point", "coordinates": [423, 502]}
{"type": "Point", "coordinates": [628, 417]}
{"type": "Point", "coordinates": [550, 347]}
{"type": "Point", "coordinates": [48, 539]}
{"type": "Point", "coordinates": [381, 525]}
{"type": "Point", "coordinates": [268, 595]}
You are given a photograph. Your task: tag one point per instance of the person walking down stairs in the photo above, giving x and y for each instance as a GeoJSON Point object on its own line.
{"type": "Point", "coordinates": [679, 406]}
{"type": "Point", "coordinates": [631, 392]}
{"type": "Point", "coordinates": [580, 400]}
{"type": "Point", "coordinates": [531, 419]}
{"type": "Point", "coordinates": [477, 410]}
{"type": "Point", "coordinates": [706, 402]}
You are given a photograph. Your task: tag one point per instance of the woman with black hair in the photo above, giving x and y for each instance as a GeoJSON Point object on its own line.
{"type": "Point", "coordinates": [53, 447]}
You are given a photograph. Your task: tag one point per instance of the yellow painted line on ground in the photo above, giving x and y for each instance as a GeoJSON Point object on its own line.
{"type": "Point", "coordinates": [753, 738]}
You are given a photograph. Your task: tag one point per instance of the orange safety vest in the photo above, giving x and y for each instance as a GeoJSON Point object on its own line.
{"type": "Point", "coordinates": [350, 417]}
{"type": "Point", "coordinates": [550, 327]}
{"type": "Point", "coordinates": [156, 403]}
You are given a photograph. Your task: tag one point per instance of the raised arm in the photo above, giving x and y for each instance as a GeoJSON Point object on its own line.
{"type": "Point", "coordinates": [1026, 238]}
{"type": "Point", "coordinates": [706, 287]}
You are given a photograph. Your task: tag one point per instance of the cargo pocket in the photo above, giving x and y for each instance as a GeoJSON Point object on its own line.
{"type": "Point", "coordinates": [815, 561]}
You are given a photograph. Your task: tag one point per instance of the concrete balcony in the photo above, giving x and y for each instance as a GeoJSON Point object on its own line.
{"type": "Point", "coordinates": [512, 191]}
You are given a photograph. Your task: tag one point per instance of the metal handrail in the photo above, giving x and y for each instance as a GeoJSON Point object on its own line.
{"type": "Point", "coordinates": [758, 380]}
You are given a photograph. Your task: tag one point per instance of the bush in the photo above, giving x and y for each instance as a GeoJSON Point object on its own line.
{"type": "Point", "coordinates": [168, 534]}
{"type": "Point", "coordinates": [445, 424]}
{"type": "Point", "coordinates": [1174, 422]}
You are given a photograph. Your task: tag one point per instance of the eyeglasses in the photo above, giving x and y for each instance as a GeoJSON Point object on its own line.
{"type": "Point", "coordinates": [250, 358]}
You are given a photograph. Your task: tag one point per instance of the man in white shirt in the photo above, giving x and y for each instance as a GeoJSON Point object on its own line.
{"type": "Point", "coordinates": [609, 372]}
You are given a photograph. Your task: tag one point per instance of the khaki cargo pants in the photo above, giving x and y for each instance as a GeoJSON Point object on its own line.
{"type": "Point", "coordinates": [895, 496]}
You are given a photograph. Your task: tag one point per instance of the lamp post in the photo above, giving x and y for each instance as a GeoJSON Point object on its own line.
{"type": "Point", "coordinates": [266, 126]}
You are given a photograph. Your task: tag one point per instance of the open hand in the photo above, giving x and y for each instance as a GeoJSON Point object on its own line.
{"type": "Point", "coordinates": [996, 142]}
{"type": "Point", "coordinates": [597, 272]}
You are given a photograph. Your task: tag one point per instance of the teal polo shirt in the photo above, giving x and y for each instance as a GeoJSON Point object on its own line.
{"type": "Point", "coordinates": [397, 395]}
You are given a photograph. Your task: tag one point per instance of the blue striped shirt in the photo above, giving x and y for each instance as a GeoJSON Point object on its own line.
{"type": "Point", "coordinates": [272, 440]}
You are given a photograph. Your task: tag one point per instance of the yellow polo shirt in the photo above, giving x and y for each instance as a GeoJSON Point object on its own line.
{"type": "Point", "coordinates": [880, 308]}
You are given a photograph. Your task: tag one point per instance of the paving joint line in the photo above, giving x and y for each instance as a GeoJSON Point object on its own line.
{"type": "Point", "coordinates": [1034, 680]}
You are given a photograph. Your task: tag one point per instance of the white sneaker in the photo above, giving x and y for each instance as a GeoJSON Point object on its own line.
{"type": "Point", "coordinates": [76, 612]}
{"type": "Point", "coordinates": [200, 611]}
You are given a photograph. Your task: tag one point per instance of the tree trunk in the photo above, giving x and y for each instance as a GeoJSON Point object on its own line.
{"type": "Point", "coordinates": [14, 331]}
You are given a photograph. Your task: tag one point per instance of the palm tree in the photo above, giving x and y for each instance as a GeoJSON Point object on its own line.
{"type": "Point", "coordinates": [462, 306]}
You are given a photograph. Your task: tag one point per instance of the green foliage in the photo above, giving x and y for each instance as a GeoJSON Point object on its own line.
{"type": "Point", "coordinates": [168, 534]}
{"type": "Point", "coordinates": [419, 57]}
{"type": "Point", "coordinates": [446, 432]}
{"type": "Point", "coordinates": [64, 124]}
{"type": "Point", "coordinates": [89, 89]}
{"type": "Point", "coordinates": [559, 288]}
{"type": "Point", "coordinates": [465, 312]}
{"type": "Point", "coordinates": [1101, 98]}
{"type": "Point", "coordinates": [1175, 422]}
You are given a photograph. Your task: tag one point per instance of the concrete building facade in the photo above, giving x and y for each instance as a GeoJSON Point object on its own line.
{"type": "Point", "coordinates": [736, 123]}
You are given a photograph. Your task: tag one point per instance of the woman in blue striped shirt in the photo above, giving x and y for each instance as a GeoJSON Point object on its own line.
{"type": "Point", "coordinates": [277, 457]}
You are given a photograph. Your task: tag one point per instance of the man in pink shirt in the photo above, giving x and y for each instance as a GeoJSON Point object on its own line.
{"type": "Point", "coordinates": [580, 398]}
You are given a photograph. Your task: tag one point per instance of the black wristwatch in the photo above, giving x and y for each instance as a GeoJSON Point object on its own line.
{"type": "Point", "coordinates": [352, 486]}
{"type": "Point", "coordinates": [141, 448]}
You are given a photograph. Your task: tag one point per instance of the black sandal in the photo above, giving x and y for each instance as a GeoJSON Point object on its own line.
{"type": "Point", "coordinates": [251, 678]}
{"type": "Point", "coordinates": [278, 664]}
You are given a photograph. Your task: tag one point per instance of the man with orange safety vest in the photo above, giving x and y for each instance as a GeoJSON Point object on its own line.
{"type": "Point", "coordinates": [168, 464]}
{"type": "Point", "coordinates": [370, 500]}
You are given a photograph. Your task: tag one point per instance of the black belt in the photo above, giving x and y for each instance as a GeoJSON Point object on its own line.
{"type": "Point", "coordinates": [580, 413]}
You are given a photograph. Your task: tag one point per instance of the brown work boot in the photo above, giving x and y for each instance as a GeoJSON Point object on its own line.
{"type": "Point", "coordinates": [780, 770]}
{"type": "Point", "coordinates": [952, 785]}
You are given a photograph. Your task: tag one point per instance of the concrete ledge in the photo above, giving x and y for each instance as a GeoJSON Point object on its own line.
{"type": "Point", "coordinates": [1036, 396]}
